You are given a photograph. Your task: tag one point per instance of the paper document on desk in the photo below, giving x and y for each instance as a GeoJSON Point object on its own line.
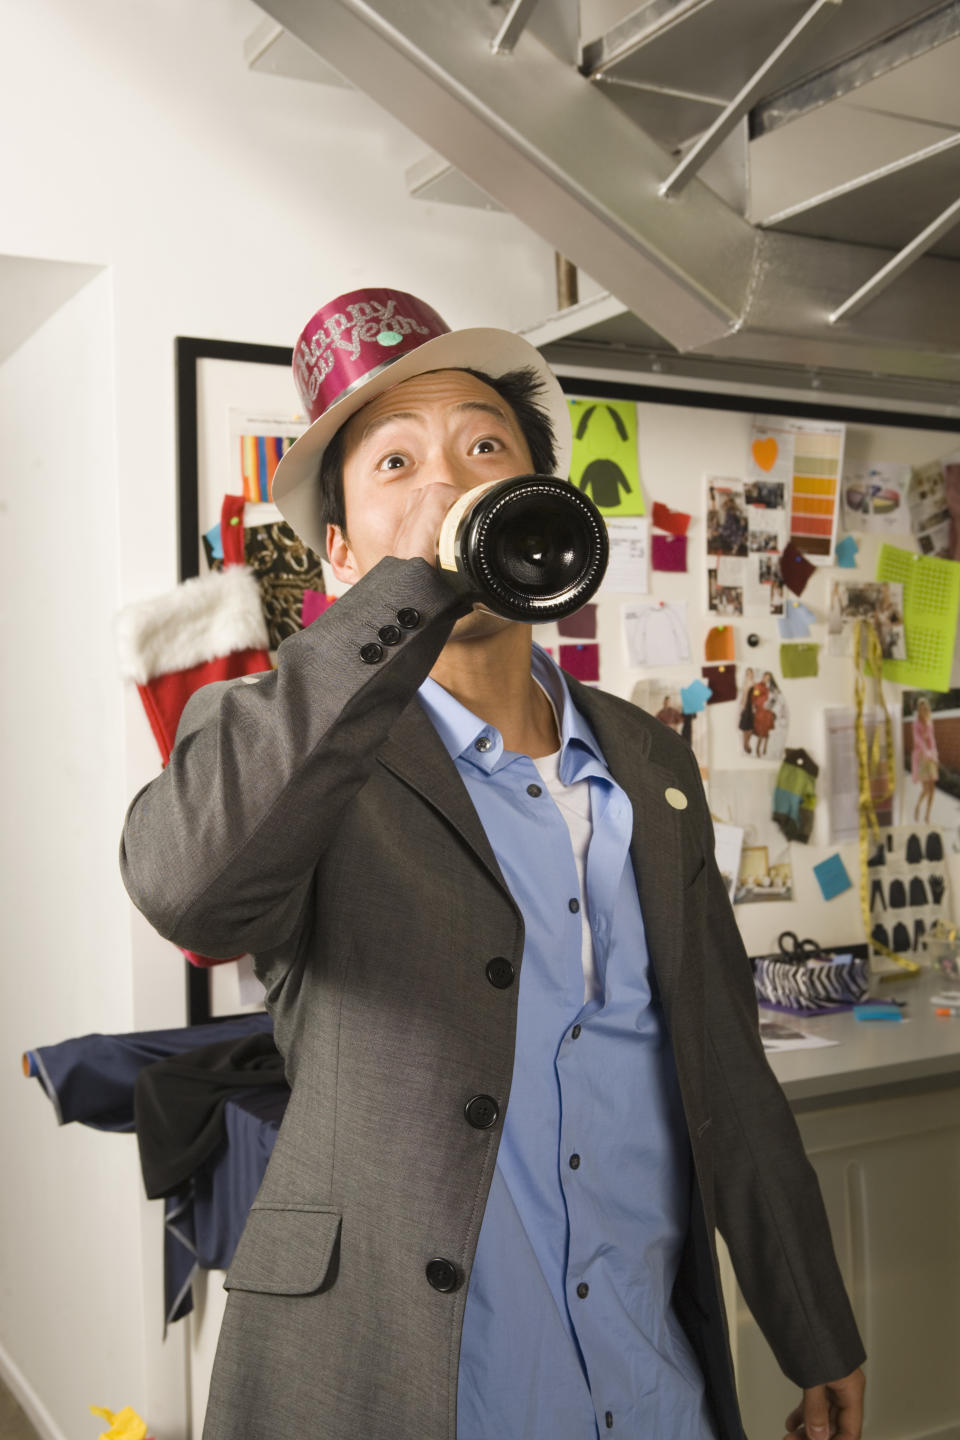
{"type": "Point", "coordinates": [778, 1035]}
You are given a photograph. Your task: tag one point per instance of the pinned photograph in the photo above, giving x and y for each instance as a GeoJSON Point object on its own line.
{"type": "Point", "coordinates": [762, 716]}
{"type": "Point", "coordinates": [931, 759]}
{"type": "Point", "coordinates": [723, 599]}
{"type": "Point", "coordinates": [661, 698]}
{"type": "Point", "coordinates": [880, 603]}
{"type": "Point", "coordinates": [875, 497]}
{"type": "Point", "coordinates": [728, 523]}
{"type": "Point", "coordinates": [744, 799]}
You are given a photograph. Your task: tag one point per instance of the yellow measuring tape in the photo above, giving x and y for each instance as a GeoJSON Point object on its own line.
{"type": "Point", "coordinates": [870, 772]}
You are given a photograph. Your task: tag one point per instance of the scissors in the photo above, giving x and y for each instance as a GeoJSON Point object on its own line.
{"type": "Point", "coordinates": [798, 951]}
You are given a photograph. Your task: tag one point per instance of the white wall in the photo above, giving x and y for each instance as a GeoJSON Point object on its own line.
{"type": "Point", "coordinates": [69, 1204]}
{"type": "Point", "coordinates": [226, 205]}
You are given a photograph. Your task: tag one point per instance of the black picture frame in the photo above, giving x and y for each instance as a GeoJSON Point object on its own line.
{"type": "Point", "coordinates": [190, 352]}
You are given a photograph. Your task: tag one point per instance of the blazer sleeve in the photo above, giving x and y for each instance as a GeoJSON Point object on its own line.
{"type": "Point", "coordinates": [768, 1203]}
{"type": "Point", "coordinates": [218, 851]}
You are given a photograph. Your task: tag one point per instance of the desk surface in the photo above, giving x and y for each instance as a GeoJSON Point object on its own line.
{"type": "Point", "coordinates": [872, 1055]}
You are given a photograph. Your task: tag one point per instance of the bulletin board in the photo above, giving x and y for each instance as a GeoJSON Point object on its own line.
{"type": "Point", "coordinates": [687, 451]}
{"type": "Point", "coordinates": [682, 438]}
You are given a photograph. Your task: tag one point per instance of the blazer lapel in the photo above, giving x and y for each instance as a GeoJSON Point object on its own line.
{"type": "Point", "coordinates": [415, 753]}
{"type": "Point", "coordinates": [657, 849]}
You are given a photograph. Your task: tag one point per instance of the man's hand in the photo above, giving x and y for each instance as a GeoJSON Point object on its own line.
{"type": "Point", "coordinates": [830, 1412]}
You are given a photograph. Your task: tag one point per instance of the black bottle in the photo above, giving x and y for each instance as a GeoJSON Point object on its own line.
{"type": "Point", "coordinates": [532, 548]}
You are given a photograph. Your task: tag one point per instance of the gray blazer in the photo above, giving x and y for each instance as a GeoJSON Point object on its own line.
{"type": "Point", "coordinates": [314, 818]}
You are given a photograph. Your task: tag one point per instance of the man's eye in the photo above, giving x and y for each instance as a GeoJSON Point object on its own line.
{"type": "Point", "coordinates": [393, 462]}
{"type": "Point", "coordinates": [486, 446]}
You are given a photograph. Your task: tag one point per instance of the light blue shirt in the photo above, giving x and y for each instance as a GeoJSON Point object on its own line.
{"type": "Point", "coordinates": [540, 1358]}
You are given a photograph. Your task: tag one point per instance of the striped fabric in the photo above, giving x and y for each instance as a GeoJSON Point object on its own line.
{"type": "Point", "coordinates": [260, 455]}
{"type": "Point", "coordinates": [815, 985]}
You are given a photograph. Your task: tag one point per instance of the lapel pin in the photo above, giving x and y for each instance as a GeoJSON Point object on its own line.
{"type": "Point", "coordinates": [676, 798]}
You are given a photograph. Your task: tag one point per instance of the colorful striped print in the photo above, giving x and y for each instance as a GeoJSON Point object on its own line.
{"type": "Point", "coordinates": [259, 457]}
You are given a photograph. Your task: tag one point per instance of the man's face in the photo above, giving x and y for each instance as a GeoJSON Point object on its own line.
{"type": "Point", "coordinates": [445, 428]}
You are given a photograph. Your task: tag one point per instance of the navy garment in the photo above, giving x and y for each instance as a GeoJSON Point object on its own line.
{"type": "Point", "coordinates": [569, 1328]}
{"type": "Point", "coordinates": [204, 1221]}
{"type": "Point", "coordinates": [91, 1079]}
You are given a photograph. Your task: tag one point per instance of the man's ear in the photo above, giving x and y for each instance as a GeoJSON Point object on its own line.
{"type": "Point", "coordinates": [342, 562]}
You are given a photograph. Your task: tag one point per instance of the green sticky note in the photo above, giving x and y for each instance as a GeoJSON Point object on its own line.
{"type": "Point", "coordinates": [931, 600]}
{"type": "Point", "coordinates": [799, 662]}
{"type": "Point", "coordinates": [605, 463]}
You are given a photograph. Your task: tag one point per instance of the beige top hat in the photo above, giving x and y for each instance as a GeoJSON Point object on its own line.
{"type": "Point", "coordinates": [366, 342]}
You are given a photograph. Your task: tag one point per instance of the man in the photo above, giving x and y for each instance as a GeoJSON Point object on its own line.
{"type": "Point", "coordinates": [468, 880]}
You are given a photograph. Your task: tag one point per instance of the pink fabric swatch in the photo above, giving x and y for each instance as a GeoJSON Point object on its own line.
{"type": "Point", "coordinates": [581, 625]}
{"type": "Point", "coordinates": [581, 661]}
{"type": "Point", "coordinates": [668, 552]}
{"type": "Point", "coordinates": [315, 604]}
{"type": "Point", "coordinates": [673, 520]}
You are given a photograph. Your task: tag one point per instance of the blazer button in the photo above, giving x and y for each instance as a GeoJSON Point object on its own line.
{"type": "Point", "coordinates": [500, 972]}
{"type": "Point", "coordinates": [390, 634]}
{"type": "Point", "coordinates": [482, 1112]}
{"type": "Point", "coordinates": [371, 653]}
{"type": "Point", "coordinates": [443, 1275]}
{"type": "Point", "coordinates": [408, 618]}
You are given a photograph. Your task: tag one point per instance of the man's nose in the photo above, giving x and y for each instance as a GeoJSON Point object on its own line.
{"type": "Point", "coordinates": [446, 469]}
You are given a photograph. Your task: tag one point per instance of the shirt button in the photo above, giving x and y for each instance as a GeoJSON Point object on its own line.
{"type": "Point", "coordinates": [500, 972]}
{"type": "Point", "coordinates": [482, 1112]}
{"type": "Point", "coordinates": [574, 1162]}
{"type": "Point", "coordinates": [390, 634]}
{"type": "Point", "coordinates": [608, 1419]}
{"type": "Point", "coordinates": [371, 653]}
{"type": "Point", "coordinates": [534, 790]}
{"type": "Point", "coordinates": [483, 743]}
{"type": "Point", "coordinates": [583, 1289]}
{"type": "Point", "coordinates": [575, 1033]}
{"type": "Point", "coordinates": [408, 618]}
{"type": "Point", "coordinates": [574, 905]}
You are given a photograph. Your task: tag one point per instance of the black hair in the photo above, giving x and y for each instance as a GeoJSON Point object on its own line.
{"type": "Point", "coordinates": [518, 388]}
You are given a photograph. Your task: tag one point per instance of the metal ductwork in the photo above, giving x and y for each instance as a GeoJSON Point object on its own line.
{"type": "Point", "coordinates": [660, 158]}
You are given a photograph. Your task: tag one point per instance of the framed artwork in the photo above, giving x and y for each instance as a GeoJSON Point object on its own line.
{"type": "Point", "coordinates": [237, 410]}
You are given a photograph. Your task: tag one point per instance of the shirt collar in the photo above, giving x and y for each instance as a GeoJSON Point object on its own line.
{"type": "Point", "coordinates": [467, 737]}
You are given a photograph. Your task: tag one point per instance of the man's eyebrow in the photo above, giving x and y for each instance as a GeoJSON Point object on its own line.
{"type": "Point", "coordinates": [377, 424]}
{"type": "Point", "coordinates": [484, 407]}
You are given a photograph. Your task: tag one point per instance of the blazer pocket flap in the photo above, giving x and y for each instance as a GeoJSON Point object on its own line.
{"type": "Point", "coordinates": [286, 1251]}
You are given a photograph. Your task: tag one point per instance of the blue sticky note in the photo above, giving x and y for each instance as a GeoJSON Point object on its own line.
{"type": "Point", "coordinates": [695, 696]}
{"type": "Point", "coordinates": [215, 542]}
{"type": "Point", "coordinates": [795, 621]}
{"type": "Point", "coordinates": [832, 877]}
{"type": "Point", "coordinates": [846, 553]}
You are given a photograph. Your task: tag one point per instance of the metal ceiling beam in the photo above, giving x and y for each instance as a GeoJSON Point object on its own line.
{"type": "Point", "coordinates": [901, 261]}
{"type": "Point", "coordinates": [714, 137]}
{"type": "Point", "coordinates": [895, 48]}
{"type": "Point", "coordinates": [546, 144]}
{"type": "Point", "coordinates": [636, 30]}
{"type": "Point", "coordinates": [513, 26]}
{"type": "Point", "coordinates": [528, 130]}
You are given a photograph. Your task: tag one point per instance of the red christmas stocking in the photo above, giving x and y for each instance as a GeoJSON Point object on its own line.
{"type": "Point", "coordinates": [209, 628]}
